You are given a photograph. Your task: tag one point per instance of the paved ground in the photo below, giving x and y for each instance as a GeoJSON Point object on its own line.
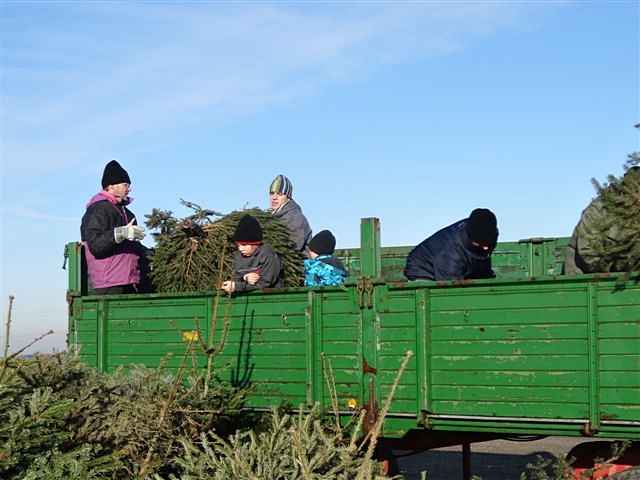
{"type": "Point", "coordinates": [494, 460]}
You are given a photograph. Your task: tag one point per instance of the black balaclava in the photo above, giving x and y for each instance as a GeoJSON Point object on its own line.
{"type": "Point", "coordinates": [482, 227]}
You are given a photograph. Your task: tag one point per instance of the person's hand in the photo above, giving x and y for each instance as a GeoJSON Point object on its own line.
{"type": "Point", "coordinates": [128, 232]}
{"type": "Point", "coordinates": [229, 286]}
{"type": "Point", "coordinates": [252, 278]}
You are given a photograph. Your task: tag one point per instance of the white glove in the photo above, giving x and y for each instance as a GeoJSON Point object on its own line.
{"type": "Point", "coordinates": [128, 232]}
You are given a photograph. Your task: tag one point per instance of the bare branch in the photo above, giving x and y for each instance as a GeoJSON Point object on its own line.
{"type": "Point", "coordinates": [8, 327]}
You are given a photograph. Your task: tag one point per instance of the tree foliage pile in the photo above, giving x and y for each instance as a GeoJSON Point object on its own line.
{"type": "Point", "coordinates": [290, 446]}
{"type": "Point", "coordinates": [616, 238]}
{"type": "Point", "coordinates": [61, 419]}
{"type": "Point", "coordinates": [195, 253]}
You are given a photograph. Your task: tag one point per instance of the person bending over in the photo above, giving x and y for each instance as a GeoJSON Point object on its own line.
{"type": "Point", "coordinates": [461, 250]}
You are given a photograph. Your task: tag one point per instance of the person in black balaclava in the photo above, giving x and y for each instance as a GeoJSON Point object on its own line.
{"type": "Point", "coordinates": [459, 251]}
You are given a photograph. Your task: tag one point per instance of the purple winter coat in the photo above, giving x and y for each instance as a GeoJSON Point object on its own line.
{"type": "Point", "coordinates": [109, 263]}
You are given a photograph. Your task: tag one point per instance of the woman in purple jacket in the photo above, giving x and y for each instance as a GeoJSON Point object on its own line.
{"type": "Point", "coordinates": [111, 236]}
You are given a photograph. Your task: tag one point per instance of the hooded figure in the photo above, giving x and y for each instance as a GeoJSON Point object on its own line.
{"type": "Point", "coordinates": [284, 208]}
{"type": "Point", "coordinates": [111, 236]}
{"type": "Point", "coordinates": [459, 251]}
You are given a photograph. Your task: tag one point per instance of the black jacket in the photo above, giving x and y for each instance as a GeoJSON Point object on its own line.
{"type": "Point", "coordinates": [97, 227]}
{"type": "Point", "coordinates": [448, 255]}
{"type": "Point", "coordinates": [266, 261]}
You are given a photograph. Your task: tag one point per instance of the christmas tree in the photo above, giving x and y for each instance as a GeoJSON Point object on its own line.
{"type": "Point", "coordinates": [196, 253]}
{"type": "Point", "coordinates": [616, 233]}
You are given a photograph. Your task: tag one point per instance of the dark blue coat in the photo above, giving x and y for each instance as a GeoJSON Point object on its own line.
{"type": "Point", "coordinates": [448, 255]}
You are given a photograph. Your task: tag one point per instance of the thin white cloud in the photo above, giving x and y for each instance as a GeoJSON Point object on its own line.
{"type": "Point", "coordinates": [154, 67]}
{"type": "Point", "coordinates": [33, 214]}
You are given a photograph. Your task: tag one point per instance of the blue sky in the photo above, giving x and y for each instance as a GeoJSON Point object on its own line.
{"type": "Point", "coordinates": [414, 112]}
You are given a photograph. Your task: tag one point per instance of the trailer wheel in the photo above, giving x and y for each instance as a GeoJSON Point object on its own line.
{"type": "Point", "coordinates": [630, 474]}
{"type": "Point", "coordinates": [627, 467]}
{"type": "Point", "coordinates": [390, 466]}
{"type": "Point", "coordinates": [387, 459]}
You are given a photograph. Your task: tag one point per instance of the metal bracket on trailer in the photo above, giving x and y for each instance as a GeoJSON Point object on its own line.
{"type": "Point", "coordinates": [365, 292]}
{"type": "Point", "coordinates": [371, 407]}
{"type": "Point", "coordinates": [588, 430]}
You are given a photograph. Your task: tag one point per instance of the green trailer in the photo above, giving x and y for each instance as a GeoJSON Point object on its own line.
{"type": "Point", "coordinates": [531, 352]}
